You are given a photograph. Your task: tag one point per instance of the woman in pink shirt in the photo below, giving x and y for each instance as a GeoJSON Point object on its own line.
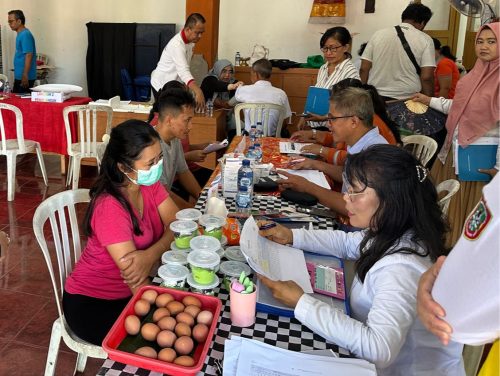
{"type": "Point", "coordinates": [127, 225]}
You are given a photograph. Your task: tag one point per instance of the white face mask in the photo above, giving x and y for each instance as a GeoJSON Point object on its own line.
{"type": "Point", "coordinates": [148, 177]}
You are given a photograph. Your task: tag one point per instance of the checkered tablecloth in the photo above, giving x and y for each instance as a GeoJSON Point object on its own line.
{"type": "Point", "coordinates": [279, 331]}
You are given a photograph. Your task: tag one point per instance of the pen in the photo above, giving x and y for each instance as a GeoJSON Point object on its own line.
{"type": "Point", "coordinates": [267, 226]}
{"type": "Point", "coordinates": [297, 160]}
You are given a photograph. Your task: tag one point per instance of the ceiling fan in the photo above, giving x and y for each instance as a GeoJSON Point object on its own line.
{"type": "Point", "coordinates": [485, 9]}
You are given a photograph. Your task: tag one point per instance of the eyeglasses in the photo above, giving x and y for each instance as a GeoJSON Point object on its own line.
{"type": "Point", "coordinates": [330, 49]}
{"type": "Point", "coordinates": [333, 118]}
{"type": "Point", "coordinates": [349, 192]}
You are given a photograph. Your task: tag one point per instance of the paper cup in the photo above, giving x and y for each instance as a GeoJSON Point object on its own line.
{"type": "Point", "coordinates": [242, 308]}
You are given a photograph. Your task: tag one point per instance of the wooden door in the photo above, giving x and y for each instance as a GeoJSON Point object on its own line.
{"type": "Point", "coordinates": [469, 56]}
{"type": "Point", "coordinates": [444, 25]}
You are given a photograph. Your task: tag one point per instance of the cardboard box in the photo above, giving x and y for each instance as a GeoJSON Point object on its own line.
{"type": "Point", "coordinates": [45, 96]}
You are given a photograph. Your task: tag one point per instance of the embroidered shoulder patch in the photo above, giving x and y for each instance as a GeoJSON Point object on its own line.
{"type": "Point", "coordinates": [477, 221]}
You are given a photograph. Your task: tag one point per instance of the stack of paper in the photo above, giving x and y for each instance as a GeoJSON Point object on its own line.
{"type": "Point", "coordinates": [259, 358]}
{"type": "Point", "coordinates": [314, 176]}
{"type": "Point", "coordinates": [291, 147]}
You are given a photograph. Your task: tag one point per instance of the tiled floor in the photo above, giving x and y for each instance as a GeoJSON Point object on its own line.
{"type": "Point", "coordinates": [27, 308]}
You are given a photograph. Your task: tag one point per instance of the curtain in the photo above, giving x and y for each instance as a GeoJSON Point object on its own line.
{"type": "Point", "coordinates": [111, 47]}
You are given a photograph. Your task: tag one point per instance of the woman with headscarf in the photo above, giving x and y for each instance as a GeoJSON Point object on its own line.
{"type": "Point", "coordinates": [219, 86]}
{"type": "Point", "coordinates": [472, 113]}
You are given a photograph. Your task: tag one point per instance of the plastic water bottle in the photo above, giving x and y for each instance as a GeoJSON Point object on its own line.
{"type": "Point", "coordinates": [209, 108]}
{"type": "Point", "coordinates": [257, 152]}
{"type": "Point", "coordinates": [237, 59]}
{"type": "Point", "coordinates": [6, 89]}
{"type": "Point", "coordinates": [260, 130]}
{"type": "Point", "coordinates": [251, 152]}
{"type": "Point", "coordinates": [253, 134]}
{"type": "Point", "coordinates": [245, 188]}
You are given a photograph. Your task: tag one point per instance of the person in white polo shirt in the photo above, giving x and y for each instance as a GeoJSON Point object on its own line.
{"type": "Point", "coordinates": [262, 91]}
{"type": "Point", "coordinates": [174, 63]}
{"type": "Point", "coordinates": [386, 64]}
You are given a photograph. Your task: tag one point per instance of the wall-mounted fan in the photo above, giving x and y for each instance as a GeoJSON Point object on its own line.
{"type": "Point", "coordinates": [476, 8]}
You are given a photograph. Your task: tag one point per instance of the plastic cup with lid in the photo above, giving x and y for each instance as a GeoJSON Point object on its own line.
{"type": "Point", "coordinates": [189, 214]}
{"type": "Point", "coordinates": [203, 265]}
{"type": "Point", "coordinates": [174, 258]}
{"type": "Point", "coordinates": [212, 225]}
{"type": "Point", "coordinates": [199, 288]}
{"type": "Point", "coordinates": [233, 269]}
{"type": "Point", "coordinates": [204, 243]}
{"type": "Point", "coordinates": [183, 231]}
{"type": "Point", "coordinates": [173, 276]}
{"type": "Point", "coordinates": [234, 253]}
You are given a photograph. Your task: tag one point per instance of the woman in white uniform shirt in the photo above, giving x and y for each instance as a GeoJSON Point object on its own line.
{"type": "Point", "coordinates": [391, 197]}
{"type": "Point", "coordinates": [335, 44]}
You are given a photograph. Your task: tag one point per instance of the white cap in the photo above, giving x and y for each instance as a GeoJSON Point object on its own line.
{"type": "Point", "coordinates": [234, 253]}
{"type": "Point", "coordinates": [188, 214]}
{"type": "Point", "coordinates": [171, 274]}
{"type": "Point", "coordinates": [234, 268]}
{"type": "Point", "coordinates": [204, 243]}
{"type": "Point", "coordinates": [174, 258]}
{"type": "Point", "coordinates": [203, 259]}
{"type": "Point", "coordinates": [210, 221]}
{"type": "Point", "coordinates": [191, 282]}
{"type": "Point", "coordinates": [183, 227]}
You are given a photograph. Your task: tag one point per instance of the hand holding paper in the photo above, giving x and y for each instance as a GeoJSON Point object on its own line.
{"type": "Point", "coordinates": [215, 146]}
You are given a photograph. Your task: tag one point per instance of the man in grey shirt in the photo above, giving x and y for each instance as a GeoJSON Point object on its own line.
{"type": "Point", "coordinates": [176, 111]}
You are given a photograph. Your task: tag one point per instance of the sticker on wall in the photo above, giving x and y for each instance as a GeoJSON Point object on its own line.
{"type": "Point", "coordinates": [328, 11]}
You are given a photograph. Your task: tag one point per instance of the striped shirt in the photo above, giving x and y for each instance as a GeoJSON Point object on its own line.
{"type": "Point", "coordinates": [345, 69]}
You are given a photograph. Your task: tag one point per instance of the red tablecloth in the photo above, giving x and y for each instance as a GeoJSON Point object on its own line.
{"type": "Point", "coordinates": [42, 122]}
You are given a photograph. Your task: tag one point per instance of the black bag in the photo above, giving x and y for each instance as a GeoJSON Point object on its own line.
{"type": "Point", "coordinates": [284, 64]}
{"type": "Point", "coordinates": [265, 185]}
{"type": "Point", "coordinates": [301, 198]}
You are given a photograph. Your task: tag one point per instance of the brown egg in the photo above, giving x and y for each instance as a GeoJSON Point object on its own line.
{"type": "Point", "coordinates": [167, 355]}
{"type": "Point", "coordinates": [186, 318]}
{"type": "Point", "coordinates": [141, 307]}
{"type": "Point", "coordinates": [182, 329]}
{"type": "Point", "coordinates": [175, 307]}
{"type": "Point", "coordinates": [149, 331]}
{"type": "Point", "coordinates": [184, 345]}
{"type": "Point", "coordinates": [167, 323]}
{"type": "Point", "coordinates": [146, 351]}
{"type": "Point", "coordinates": [160, 313]}
{"type": "Point", "coordinates": [205, 317]}
{"type": "Point", "coordinates": [150, 296]}
{"type": "Point", "coordinates": [192, 310]}
{"type": "Point", "coordinates": [200, 333]}
{"type": "Point", "coordinates": [132, 325]}
{"type": "Point", "coordinates": [163, 299]}
{"type": "Point", "coordinates": [166, 338]}
{"type": "Point", "coordinates": [191, 300]}
{"type": "Point", "coordinates": [184, 360]}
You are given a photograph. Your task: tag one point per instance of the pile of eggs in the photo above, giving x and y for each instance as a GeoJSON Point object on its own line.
{"type": "Point", "coordinates": [175, 325]}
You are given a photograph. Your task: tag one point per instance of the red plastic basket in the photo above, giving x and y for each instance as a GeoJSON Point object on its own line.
{"type": "Point", "coordinates": [117, 334]}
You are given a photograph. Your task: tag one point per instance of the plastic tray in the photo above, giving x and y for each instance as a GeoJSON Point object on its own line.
{"type": "Point", "coordinates": [117, 334]}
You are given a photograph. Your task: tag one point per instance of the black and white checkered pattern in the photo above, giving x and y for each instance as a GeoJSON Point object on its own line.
{"type": "Point", "coordinates": [284, 332]}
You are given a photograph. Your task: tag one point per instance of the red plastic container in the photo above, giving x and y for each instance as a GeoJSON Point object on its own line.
{"type": "Point", "coordinates": [117, 334]}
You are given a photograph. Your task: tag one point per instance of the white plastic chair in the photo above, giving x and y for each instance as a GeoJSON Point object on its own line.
{"type": "Point", "coordinates": [451, 186]}
{"type": "Point", "coordinates": [87, 144]}
{"type": "Point", "coordinates": [422, 147]}
{"type": "Point", "coordinates": [58, 209]}
{"type": "Point", "coordinates": [11, 148]}
{"type": "Point", "coordinates": [259, 112]}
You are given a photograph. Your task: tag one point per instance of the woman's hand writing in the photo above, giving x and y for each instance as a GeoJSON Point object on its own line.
{"type": "Point", "coordinates": [278, 233]}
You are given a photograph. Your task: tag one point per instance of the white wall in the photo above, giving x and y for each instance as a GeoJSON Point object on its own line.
{"type": "Point", "coordinates": [281, 25]}
{"type": "Point", "coordinates": [60, 31]}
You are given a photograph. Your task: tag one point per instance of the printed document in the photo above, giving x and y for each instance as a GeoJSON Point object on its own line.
{"type": "Point", "coordinates": [287, 147]}
{"type": "Point", "coordinates": [273, 260]}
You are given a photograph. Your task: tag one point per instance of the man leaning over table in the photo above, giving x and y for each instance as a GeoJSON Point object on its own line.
{"type": "Point", "coordinates": [25, 56]}
{"type": "Point", "coordinates": [351, 121]}
{"type": "Point", "coordinates": [176, 57]}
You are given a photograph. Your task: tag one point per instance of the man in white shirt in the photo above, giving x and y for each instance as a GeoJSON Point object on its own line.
{"type": "Point", "coordinates": [262, 91]}
{"type": "Point", "coordinates": [175, 60]}
{"type": "Point", "coordinates": [386, 65]}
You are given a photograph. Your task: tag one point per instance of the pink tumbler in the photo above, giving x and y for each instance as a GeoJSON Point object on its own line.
{"type": "Point", "coordinates": [242, 308]}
